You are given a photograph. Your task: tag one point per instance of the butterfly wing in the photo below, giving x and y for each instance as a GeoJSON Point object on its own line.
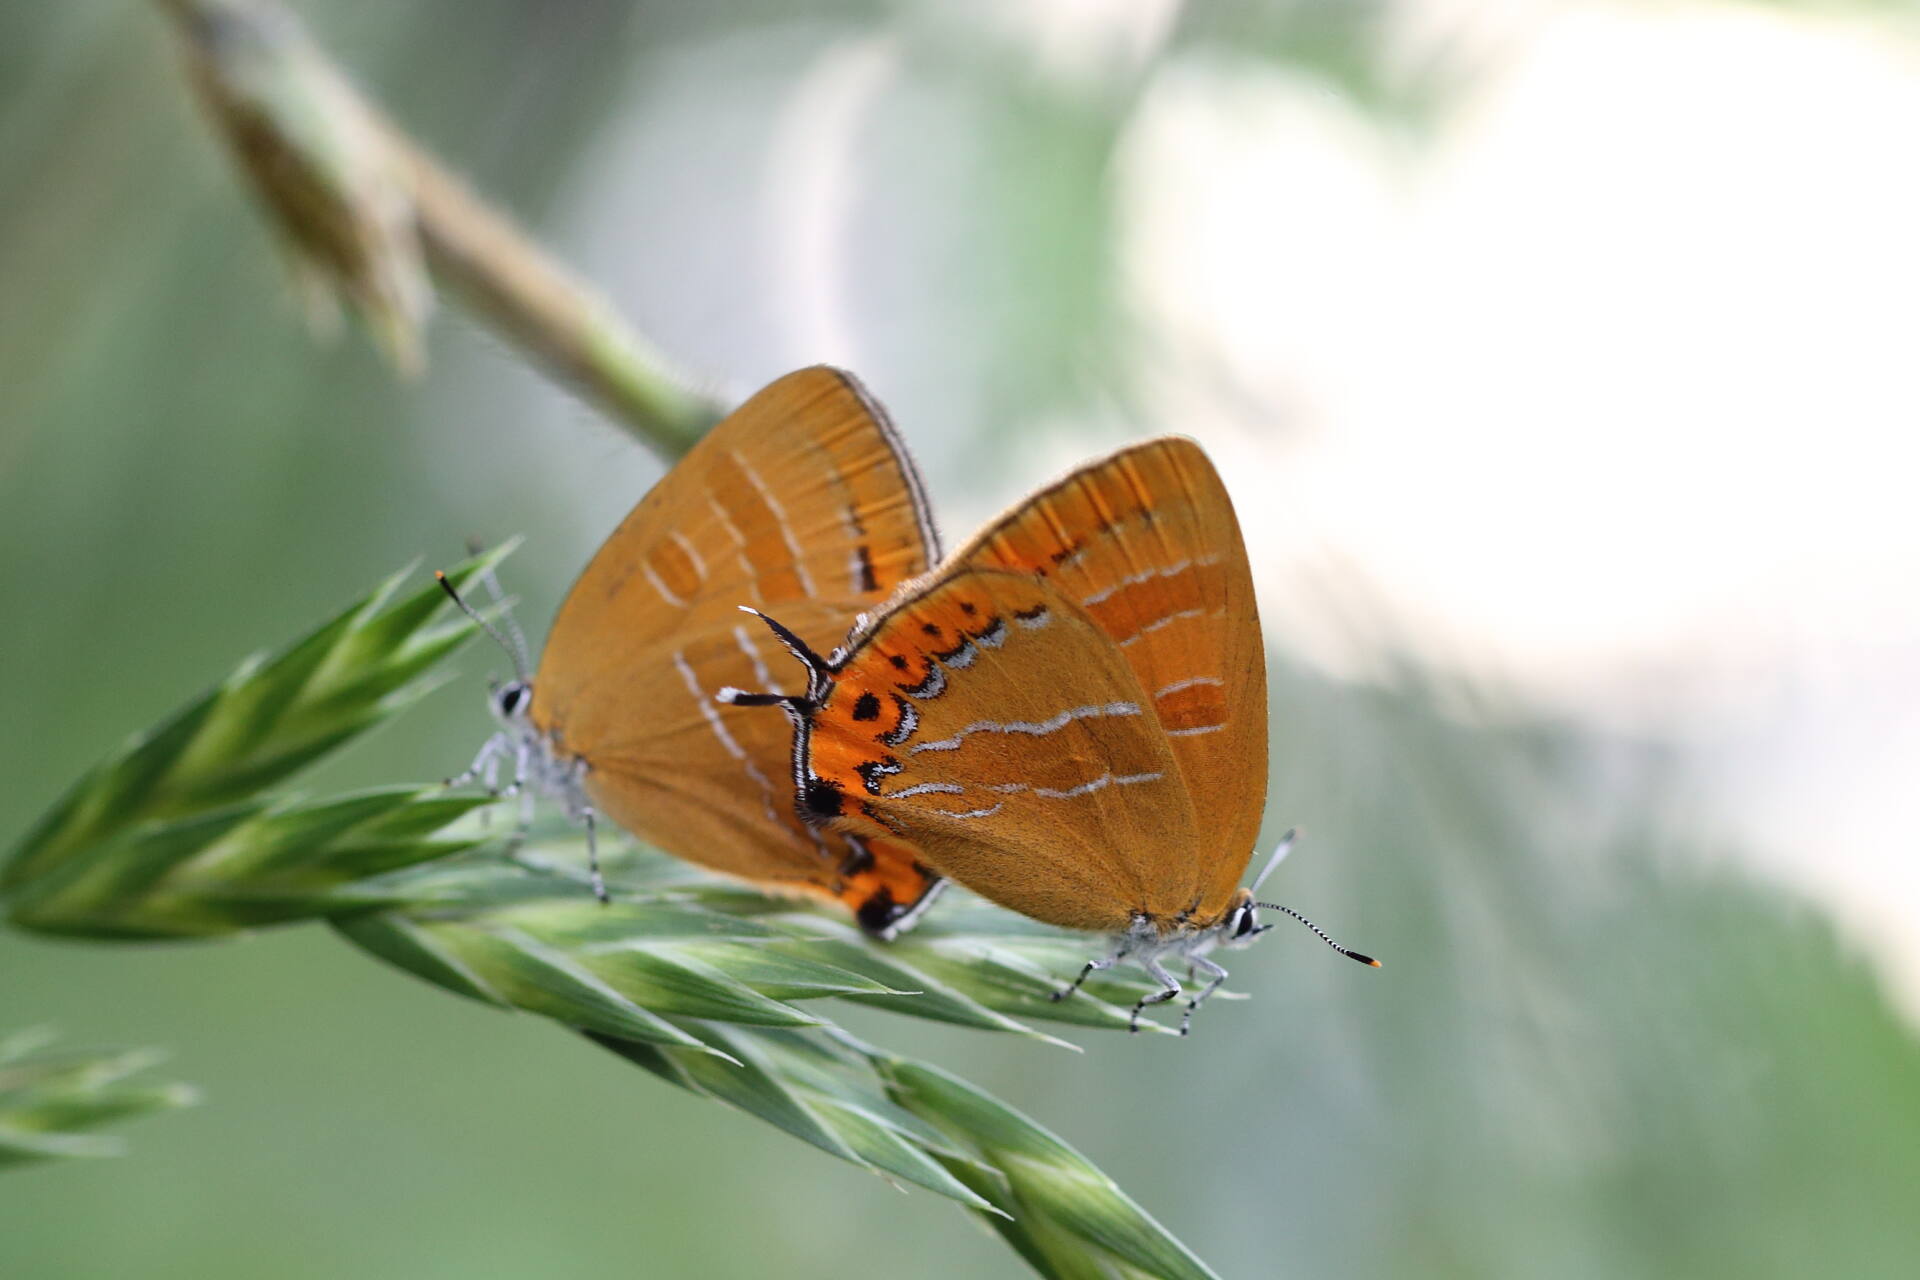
{"type": "Point", "coordinates": [1146, 543]}
{"type": "Point", "coordinates": [803, 501]}
{"type": "Point", "coordinates": [987, 720]}
{"type": "Point", "coordinates": [714, 784]}
{"type": "Point", "coordinates": [802, 494]}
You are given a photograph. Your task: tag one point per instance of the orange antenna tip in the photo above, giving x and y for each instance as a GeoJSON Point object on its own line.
{"type": "Point", "coordinates": [516, 656]}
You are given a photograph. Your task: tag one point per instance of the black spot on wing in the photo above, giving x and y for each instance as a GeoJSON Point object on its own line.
{"type": "Point", "coordinates": [866, 707]}
{"type": "Point", "coordinates": [868, 580]}
{"type": "Point", "coordinates": [822, 798]}
{"type": "Point", "coordinates": [879, 911]}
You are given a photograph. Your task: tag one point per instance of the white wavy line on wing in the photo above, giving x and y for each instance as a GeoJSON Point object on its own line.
{"type": "Point", "coordinates": [1034, 728]}
{"type": "Point", "coordinates": [1147, 575]}
{"type": "Point", "coordinates": [719, 728]}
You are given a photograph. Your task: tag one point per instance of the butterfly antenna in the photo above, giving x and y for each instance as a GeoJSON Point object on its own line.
{"type": "Point", "coordinates": [819, 672]}
{"type": "Point", "coordinates": [519, 663]}
{"type": "Point", "coordinates": [1319, 933]}
{"type": "Point", "coordinates": [1280, 853]}
{"type": "Point", "coordinates": [522, 655]}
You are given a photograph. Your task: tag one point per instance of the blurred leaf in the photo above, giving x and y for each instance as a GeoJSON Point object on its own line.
{"type": "Point", "coordinates": [50, 1102]}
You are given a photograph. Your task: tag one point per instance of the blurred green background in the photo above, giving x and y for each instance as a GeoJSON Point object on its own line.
{"type": "Point", "coordinates": [1601, 1046]}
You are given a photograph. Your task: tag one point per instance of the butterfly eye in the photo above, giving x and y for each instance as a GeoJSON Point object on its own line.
{"type": "Point", "coordinates": [512, 697]}
{"type": "Point", "coordinates": [1244, 923]}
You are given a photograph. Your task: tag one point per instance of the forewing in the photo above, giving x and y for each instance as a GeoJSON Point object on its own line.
{"type": "Point", "coordinates": [989, 722]}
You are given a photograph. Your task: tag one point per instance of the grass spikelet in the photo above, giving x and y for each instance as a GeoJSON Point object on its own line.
{"type": "Point", "coordinates": [50, 1103]}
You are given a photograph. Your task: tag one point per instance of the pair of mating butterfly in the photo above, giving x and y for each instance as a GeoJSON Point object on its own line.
{"type": "Point", "coordinates": [1067, 716]}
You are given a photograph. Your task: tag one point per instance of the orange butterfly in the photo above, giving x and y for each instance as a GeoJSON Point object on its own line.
{"type": "Point", "coordinates": [803, 500]}
{"type": "Point", "coordinates": [1068, 716]}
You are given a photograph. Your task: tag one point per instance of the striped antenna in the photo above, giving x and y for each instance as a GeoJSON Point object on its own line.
{"type": "Point", "coordinates": [819, 670]}
{"type": "Point", "coordinates": [519, 665]}
{"type": "Point", "coordinates": [1319, 933]}
{"type": "Point", "coordinates": [522, 655]}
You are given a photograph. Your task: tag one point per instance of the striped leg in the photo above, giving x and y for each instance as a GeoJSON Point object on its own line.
{"type": "Point", "coordinates": [593, 854]}
{"type": "Point", "coordinates": [1092, 967]}
{"type": "Point", "coordinates": [1216, 974]}
{"type": "Point", "coordinates": [1170, 990]}
{"type": "Point", "coordinates": [484, 764]}
{"type": "Point", "coordinates": [522, 761]}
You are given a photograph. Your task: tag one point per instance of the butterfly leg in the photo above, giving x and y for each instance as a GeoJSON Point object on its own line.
{"type": "Point", "coordinates": [593, 853]}
{"type": "Point", "coordinates": [484, 769]}
{"type": "Point", "coordinates": [522, 762]}
{"type": "Point", "coordinates": [490, 779]}
{"type": "Point", "coordinates": [1216, 976]}
{"type": "Point", "coordinates": [522, 758]}
{"type": "Point", "coordinates": [1089, 969]}
{"type": "Point", "coordinates": [485, 764]}
{"type": "Point", "coordinates": [1169, 990]}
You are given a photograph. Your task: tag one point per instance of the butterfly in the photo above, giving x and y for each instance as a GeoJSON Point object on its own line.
{"type": "Point", "coordinates": [803, 500]}
{"type": "Point", "coordinates": [1068, 716]}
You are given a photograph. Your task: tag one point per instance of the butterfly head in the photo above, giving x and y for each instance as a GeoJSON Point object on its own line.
{"type": "Point", "coordinates": [510, 702]}
{"type": "Point", "coordinates": [1241, 925]}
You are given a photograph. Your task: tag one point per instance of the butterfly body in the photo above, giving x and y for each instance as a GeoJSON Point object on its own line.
{"type": "Point", "coordinates": [802, 500]}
